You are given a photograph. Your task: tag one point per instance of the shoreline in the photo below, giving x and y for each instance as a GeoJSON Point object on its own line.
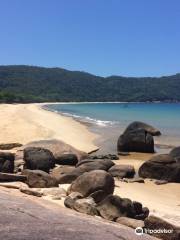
{"type": "Point", "coordinates": [24, 123]}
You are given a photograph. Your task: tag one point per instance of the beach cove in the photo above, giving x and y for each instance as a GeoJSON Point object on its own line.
{"type": "Point", "coordinates": [29, 122]}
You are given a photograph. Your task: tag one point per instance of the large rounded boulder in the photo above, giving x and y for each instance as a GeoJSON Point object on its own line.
{"type": "Point", "coordinates": [161, 167]}
{"type": "Point", "coordinates": [38, 158]}
{"type": "Point", "coordinates": [122, 171]}
{"type": "Point", "coordinates": [93, 181]}
{"type": "Point", "coordinates": [137, 140]}
{"type": "Point", "coordinates": [141, 125]}
{"type": "Point", "coordinates": [58, 149]}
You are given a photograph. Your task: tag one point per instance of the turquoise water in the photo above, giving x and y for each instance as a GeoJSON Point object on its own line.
{"type": "Point", "coordinates": [110, 119]}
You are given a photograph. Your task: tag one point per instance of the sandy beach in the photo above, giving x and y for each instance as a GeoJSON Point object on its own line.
{"type": "Point", "coordinates": [28, 122]}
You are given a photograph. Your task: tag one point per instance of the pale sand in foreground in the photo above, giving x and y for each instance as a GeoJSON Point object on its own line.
{"type": "Point", "coordinates": [29, 122]}
{"type": "Point", "coordinates": [162, 200]}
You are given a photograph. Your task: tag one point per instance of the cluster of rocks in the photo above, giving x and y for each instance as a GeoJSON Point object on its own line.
{"type": "Point", "coordinates": [45, 164]}
{"type": "Point", "coordinates": [92, 193]}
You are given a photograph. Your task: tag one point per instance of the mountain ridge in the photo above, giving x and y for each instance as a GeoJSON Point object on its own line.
{"type": "Point", "coordinates": [25, 83]}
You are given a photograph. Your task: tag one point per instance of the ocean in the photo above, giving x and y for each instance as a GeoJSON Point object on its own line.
{"type": "Point", "coordinates": [109, 120]}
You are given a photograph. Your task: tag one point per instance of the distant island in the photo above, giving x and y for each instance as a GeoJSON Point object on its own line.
{"type": "Point", "coordinates": [28, 84]}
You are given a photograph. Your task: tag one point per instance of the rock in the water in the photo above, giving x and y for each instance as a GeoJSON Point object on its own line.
{"type": "Point", "coordinates": [8, 146]}
{"type": "Point", "coordinates": [6, 162]}
{"type": "Point", "coordinates": [140, 125]}
{"type": "Point", "coordinates": [130, 222]}
{"type": "Point", "coordinates": [38, 159]}
{"type": "Point", "coordinates": [161, 167]}
{"type": "Point", "coordinates": [122, 171]}
{"type": "Point", "coordinates": [9, 177]}
{"type": "Point", "coordinates": [137, 140]}
{"type": "Point", "coordinates": [39, 179]}
{"type": "Point", "coordinates": [113, 207]}
{"type": "Point", "coordinates": [58, 148]}
{"type": "Point", "coordinates": [157, 224]}
{"type": "Point", "coordinates": [67, 159]}
{"type": "Point", "coordinates": [86, 205]}
{"type": "Point", "coordinates": [93, 181]}
{"type": "Point", "coordinates": [175, 153]}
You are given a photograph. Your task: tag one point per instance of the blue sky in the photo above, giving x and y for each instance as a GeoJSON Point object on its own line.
{"type": "Point", "coordinates": [103, 37]}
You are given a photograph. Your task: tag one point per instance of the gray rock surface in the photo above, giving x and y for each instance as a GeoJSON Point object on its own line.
{"type": "Point", "coordinates": [34, 218]}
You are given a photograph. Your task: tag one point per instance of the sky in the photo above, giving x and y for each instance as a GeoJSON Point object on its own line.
{"type": "Point", "coordinates": [103, 37]}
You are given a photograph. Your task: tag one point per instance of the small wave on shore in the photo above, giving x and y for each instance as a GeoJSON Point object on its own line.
{"type": "Point", "coordinates": [84, 119]}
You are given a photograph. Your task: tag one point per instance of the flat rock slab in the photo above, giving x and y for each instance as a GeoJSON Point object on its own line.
{"type": "Point", "coordinates": [30, 218]}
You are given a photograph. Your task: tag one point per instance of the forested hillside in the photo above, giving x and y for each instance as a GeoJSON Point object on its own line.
{"type": "Point", "coordinates": [38, 84]}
